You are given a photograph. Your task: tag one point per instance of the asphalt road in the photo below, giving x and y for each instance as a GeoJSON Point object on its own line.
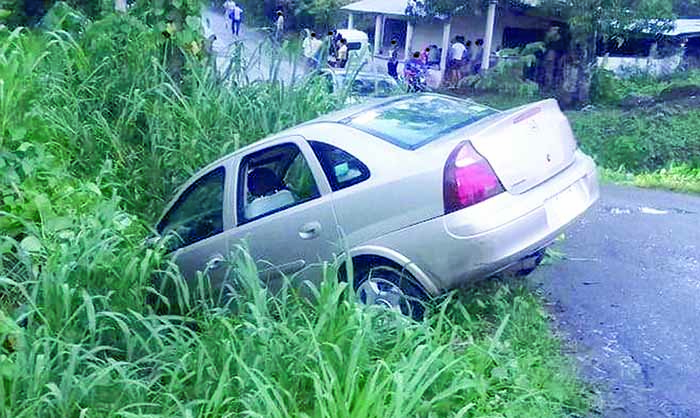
{"type": "Point", "coordinates": [627, 296]}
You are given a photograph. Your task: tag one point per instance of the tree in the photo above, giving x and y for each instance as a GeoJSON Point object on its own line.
{"type": "Point", "coordinates": [586, 21]}
{"type": "Point", "coordinates": [319, 13]}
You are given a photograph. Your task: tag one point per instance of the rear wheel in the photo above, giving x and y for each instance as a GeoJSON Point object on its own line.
{"type": "Point", "coordinates": [390, 288]}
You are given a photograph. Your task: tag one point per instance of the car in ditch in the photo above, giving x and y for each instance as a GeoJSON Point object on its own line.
{"type": "Point", "coordinates": [359, 86]}
{"type": "Point", "coordinates": [424, 193]}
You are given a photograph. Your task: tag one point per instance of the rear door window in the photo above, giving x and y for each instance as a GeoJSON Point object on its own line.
{"type": "Point", "coordinates": [272, 180]}
{"type": "Point", "coordinates": [342, 169]}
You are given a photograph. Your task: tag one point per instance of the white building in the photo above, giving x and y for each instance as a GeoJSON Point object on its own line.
{"type": "Point", "coordinates": [498, 27]}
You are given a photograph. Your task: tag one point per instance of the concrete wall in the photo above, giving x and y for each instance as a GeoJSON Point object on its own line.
{"type": "Point", "coordinates": [473, 27]}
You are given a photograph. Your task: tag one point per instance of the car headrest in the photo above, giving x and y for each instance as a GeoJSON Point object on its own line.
{"type": "Point", "coordinates": [263, 181]}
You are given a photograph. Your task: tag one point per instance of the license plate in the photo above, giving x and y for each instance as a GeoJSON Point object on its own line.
{"type": "Point", "coordinates": [563, 207]}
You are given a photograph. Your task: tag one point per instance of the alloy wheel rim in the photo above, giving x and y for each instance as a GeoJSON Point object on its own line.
{"type": "Point", "coordinates": [382, 292]}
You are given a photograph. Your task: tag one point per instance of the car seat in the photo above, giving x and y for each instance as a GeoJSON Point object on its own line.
{"type": "Point", "coordinates": [269, 193]}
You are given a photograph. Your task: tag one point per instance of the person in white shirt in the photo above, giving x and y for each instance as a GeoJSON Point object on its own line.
{"type": "Point", "coordinates": [457, 51]}
{"type": "Point", "coordinates": [341, 57]}
{"type": "Point", "coordinates": [235, 13]}
{"type": "Point", "coordinates": [279, 26]}
{"type": "Point", "coordinates": [312, 46]}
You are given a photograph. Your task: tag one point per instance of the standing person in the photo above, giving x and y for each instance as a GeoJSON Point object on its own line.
{"type": "Point", "coordinates": [478, 56]}
{"type": "Point", "coordinates": [393, 63]}
{"type": "Point", "coordinates": [425, 55]}
{"type": "Point", "coordinates": [316, 48]}
{"type": "Point", "coordinates": [236, 16]}
{"type": "Point", "coordinates": [342, 54]}
{"type": "Point", "coordinates": [229, 5]}
{"type": "Point", "coordinates": [457, 51]}
{"type": "Point", "coordinates": [312, 49]}
{"type": "Point", "coordinates": [413, 72]}
{"type": "Point", "coordinates": [467, 59]}
{"type": "Point", "coordinates": [279, 26]}
{"type": "Point", "coordinates": [331, 43]}
{"type": "Point", "coordinates": [306, 47]}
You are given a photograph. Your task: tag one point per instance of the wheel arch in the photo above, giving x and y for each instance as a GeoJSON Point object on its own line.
{"type": "Point", "coordinates": [372, 255]}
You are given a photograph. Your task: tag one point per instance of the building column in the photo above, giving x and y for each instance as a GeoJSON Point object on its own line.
{"type": "Point", "coordinates": [409, 40]}
{"type": "Point", "coordinates": [378, 33]}
{"type": "Point", "coordinates": [446, 29]}
{"type": "Point", "coordinates": [488, 37]}
{"type": "Point", "coordinates": [351, 21]}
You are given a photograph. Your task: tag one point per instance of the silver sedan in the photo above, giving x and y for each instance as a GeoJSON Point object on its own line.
{"type": "Point", "coordinates": [425, 192]}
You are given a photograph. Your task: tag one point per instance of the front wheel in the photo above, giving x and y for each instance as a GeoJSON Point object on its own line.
{"type": "Point", "coordinates": [391, 288]}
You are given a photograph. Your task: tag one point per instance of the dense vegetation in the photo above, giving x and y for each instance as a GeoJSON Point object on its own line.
{"type": "Point", "coordinates": [96, 131]}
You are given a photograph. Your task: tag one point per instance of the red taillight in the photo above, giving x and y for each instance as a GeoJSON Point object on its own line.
{"type": "Point", "coordinates": [469, 179]}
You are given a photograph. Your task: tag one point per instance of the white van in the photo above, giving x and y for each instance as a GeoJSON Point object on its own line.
{"type": "Point", "coordinates": [358, 46]}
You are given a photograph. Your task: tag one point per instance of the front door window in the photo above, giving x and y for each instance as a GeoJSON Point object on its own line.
{"type": "Point", "coordinates": [198, 213]}
{"type": "Point", "coordinates": [272, 180]}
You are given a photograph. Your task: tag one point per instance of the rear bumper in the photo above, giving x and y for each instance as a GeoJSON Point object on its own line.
{"type": "Point", "coordinates": [475, 242]}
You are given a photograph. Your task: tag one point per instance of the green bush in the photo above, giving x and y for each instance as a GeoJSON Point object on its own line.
{"type": "Point", "coordinates": [637, 140]}
{"type": "Point", "coordinates": [63, 17]}
{"type": "Point", "coordinates": [609, 89]}
{"type": "Point", "coordinates": [507, 77]}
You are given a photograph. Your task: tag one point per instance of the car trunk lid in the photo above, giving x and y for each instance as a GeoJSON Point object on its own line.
{"type": "Point", "coordinates": [528, 145]}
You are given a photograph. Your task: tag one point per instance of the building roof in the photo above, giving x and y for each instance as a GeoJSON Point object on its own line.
{"type": "Point", "coordinates": [397, 7]}
{"type": "Point", "coordinates": [386, 7]}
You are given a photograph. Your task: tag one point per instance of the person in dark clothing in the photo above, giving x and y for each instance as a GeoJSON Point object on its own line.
{"type": "Point", "coordinates": [393, 62]}
{"type": "Point", "coordinates": [478, 56]}
{"type": "Point", "coordinates": [414, 72]}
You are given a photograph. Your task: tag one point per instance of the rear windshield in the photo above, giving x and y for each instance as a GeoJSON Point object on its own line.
{"type": "Point", "coordinates": [415, 121]}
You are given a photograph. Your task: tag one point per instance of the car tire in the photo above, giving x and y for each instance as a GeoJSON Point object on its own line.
{"type": "Point", "coordinates": [392, 288]}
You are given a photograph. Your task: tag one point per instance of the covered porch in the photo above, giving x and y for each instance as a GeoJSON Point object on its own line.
{"type": "Point", "coordinates": [392, 22]}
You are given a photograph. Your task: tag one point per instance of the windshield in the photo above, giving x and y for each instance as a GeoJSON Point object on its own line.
{"type": "Point", "coordinates": [415, 121]}
{"type": "Point", "coordinates": [363, 85]}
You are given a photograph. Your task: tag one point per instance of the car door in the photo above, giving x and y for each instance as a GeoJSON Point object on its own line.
{"type": "Point", "coordinates": [284, 212]}
{"type": "Point", "coordinates": [194, 226]}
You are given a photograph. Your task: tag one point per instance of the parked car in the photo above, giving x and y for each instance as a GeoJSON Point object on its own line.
{"type": "Point", "coordinates": [426, 192]}
{"type": "Point", "coordinates": [360, 85]}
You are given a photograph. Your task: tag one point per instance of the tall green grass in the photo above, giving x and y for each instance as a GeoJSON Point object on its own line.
{"type": "Point", "coordinates": [96, 134]}
{"type": "Point", "coordinates": [487, 354]}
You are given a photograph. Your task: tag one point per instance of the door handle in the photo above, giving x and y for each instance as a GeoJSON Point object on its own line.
{"type": "Point", "coordinates": [310, 230]}
{"type": "Point", "coordinates": [215, 262]}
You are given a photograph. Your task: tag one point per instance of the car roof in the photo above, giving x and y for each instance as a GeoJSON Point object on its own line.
{"type": "Point", "coordinates": [333, 117]}
{"type": "Point", "coordinates": [353, 35]}
{"type": "Point", "coordinates": [340, 117]}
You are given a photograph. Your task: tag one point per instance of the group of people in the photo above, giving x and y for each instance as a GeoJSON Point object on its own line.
{"type": "Point", "coordinates": [234, 12]}
{"type": "Point", "coordinates": [464, 58]}
{"type": "Point", "coordinates": [415, 68]}
{"type": "Point", "coordinates": [335, 49]}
